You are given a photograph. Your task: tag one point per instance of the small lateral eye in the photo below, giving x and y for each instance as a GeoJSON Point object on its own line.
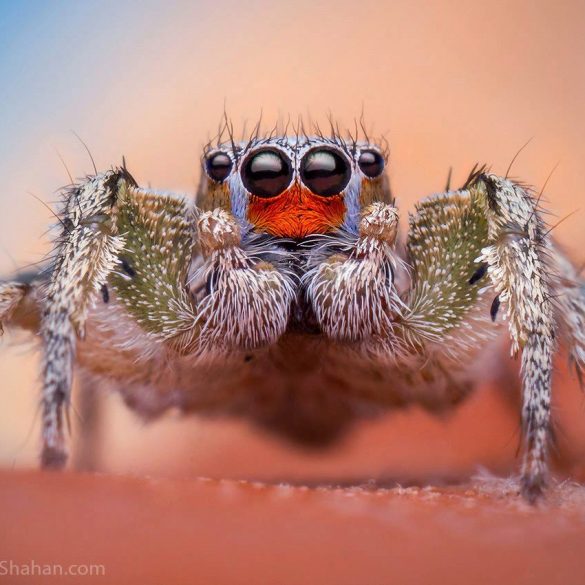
{"type": "Point", "coordinates": [267, 173]}
{"type": "Point", "coordinates": [219, 166]}
{"type": "Point", "coordinates": [325, 172]}
{"type": "Point", "coordinates": [371, 163]}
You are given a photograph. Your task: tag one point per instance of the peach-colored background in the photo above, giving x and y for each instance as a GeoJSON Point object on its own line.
{"type": "Point", "coordinates": [449, 83]}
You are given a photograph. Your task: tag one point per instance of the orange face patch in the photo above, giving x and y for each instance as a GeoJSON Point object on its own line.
{"type": "Point", "coordinates": [296, 213]}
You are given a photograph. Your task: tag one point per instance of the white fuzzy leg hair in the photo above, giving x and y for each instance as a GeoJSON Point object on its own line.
{"type": "Point", "coordinates": [520, 273]}
{"type": "Point", "coordinates": [11, 293]}
{"type": "Point", "coordinates": [86, 253]}
{"type": "Point", "coordinates": [353, 296]}
{"type": "Point", "coordinates": [248, 302]}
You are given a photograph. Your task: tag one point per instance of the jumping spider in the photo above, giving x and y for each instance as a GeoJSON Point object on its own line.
{"type": "Point", "coordinates": [283, 295]}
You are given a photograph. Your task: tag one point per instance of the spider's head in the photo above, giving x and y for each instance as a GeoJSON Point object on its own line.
{"type": "Point", "coordinates": [293, 187]}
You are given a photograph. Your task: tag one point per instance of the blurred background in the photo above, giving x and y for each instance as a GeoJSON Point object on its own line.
{"type": "Point", "coordinates": [449, 83]}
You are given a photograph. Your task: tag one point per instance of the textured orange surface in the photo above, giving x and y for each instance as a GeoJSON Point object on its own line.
{"type": "Point", "coordinates": [146, 531]}
{"type": "Point", "coordinates": [449, 83]}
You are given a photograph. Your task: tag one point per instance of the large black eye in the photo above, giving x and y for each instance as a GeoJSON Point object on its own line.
{"type": "Point", "coordinates": [325, 172]}
{"type": "Point", "coordinates": [267, 173]}
{"type": "Point", "coordinates": [371, 163]}
{"type": "Point", "coordinates": [219, 166]}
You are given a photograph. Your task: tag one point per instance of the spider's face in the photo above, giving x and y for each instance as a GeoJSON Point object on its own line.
{"type": "Point", "coordinates": [293, 187]}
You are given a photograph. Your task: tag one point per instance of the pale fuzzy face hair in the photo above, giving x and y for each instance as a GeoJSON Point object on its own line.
{"type": "Point", "coordinates": [294, 186]}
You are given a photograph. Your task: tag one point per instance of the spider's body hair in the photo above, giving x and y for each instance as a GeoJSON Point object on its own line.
{"type": "Point", "coordinates": [260, 295]}
{"type": "Point", "coordinates": [195, 307]}
{"type": "Point", "coordinates": [445, 238]}
{"type": "Point", "coordinates": [354, 296]}
{"type": "Point", "coordinates": [159, 235]}
{"type": "Point", "coordinates": [11, 295]}
{"type": "Point", "coordinates": [89, 248]}
{"type": "Point", "coordinates": [570, 309]}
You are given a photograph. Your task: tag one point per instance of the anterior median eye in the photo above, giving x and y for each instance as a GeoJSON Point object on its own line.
{"type": "Point", "coordinates": [219, 166]}
{"type": "Point", "coordinates": [371, 163]}
{"type": "Point", "coordinates": [267, 173]}
{"type": "Point", "coordinates": [325, 172]}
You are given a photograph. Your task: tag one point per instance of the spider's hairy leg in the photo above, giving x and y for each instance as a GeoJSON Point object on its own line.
{"type": "Point", "coordinates": [86, 253]}
{"type": "Point", "coordinates": [519, 267]}
{"type": "Point", "coordinates": [19, 300]}
{"type": "Point", "coordinates": [249, 300]}
{"type": "Point", "coordinates": [489, 231]}
{"type": "Point", "coordinates": [352, 292]}
{"type": "Point", "coordinates": [570, 304]}
{"type": "Point", "coordinates": [12, 295]}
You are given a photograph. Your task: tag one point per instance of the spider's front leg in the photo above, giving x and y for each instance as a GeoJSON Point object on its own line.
{"type": "Point", "coordinates": [86, 253]}
{"type": "Point", "coordinates": [352, 292]}
{"type": "Point", "coordinates": [521, 275]}
{"type": "Point", "coordinates": [492, 229]}
{"type": "Point", "coordinates": [247, 302]}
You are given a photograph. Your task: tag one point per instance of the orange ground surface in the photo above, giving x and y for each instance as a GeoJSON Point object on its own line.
{"type": "Point", "coordinates": [147, 531]}
{"type": "Point", "coordinates": [160, 522]}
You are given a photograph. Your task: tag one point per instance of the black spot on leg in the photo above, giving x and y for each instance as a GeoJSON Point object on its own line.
{"type": "Point", "coordinates": [248, 357]}
{"type": "Point", "coordinates": [68, 224]}
{"type": "Point", "coordinates": [479, 273]}
{"type": "Point", "coordinates": [127, 268]}
{"type": "Point", "coordinates": [59, 396]}
{"type": "Point", "coordinates": [533, 488]}
{"type": "Point", "coordinates": [211, 283]}
{"type": "Point", "coordinates": [495, 308]}
{"type": "Point", "coordinates": [105, 294]}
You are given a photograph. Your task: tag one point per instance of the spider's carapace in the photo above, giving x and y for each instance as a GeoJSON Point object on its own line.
{"type": "Point", "coordinates": [293, 187]}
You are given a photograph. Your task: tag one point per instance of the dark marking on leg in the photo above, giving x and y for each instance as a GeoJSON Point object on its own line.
{"type": "Point", "coordinates": [105, 294]}
{"type": "Point", "coordinates": [495, 308]}
{"type": "Point", "coordinates": [127, 268]}
{"type": "Point", "coordinates": [479, 273]}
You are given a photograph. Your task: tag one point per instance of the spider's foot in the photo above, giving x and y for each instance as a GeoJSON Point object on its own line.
{"type": "Point", "coordinates": [353, 295]}
{"type": "Point", "coordinates": [248, 301]}
{"type": "Point", "coordinates": [533, 487]}
{"type": "Point", "coordinates": [53, 457]}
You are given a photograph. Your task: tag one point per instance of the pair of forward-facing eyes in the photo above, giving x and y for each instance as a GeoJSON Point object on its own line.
{"type": "Point", "coordinates": [267, 172]}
